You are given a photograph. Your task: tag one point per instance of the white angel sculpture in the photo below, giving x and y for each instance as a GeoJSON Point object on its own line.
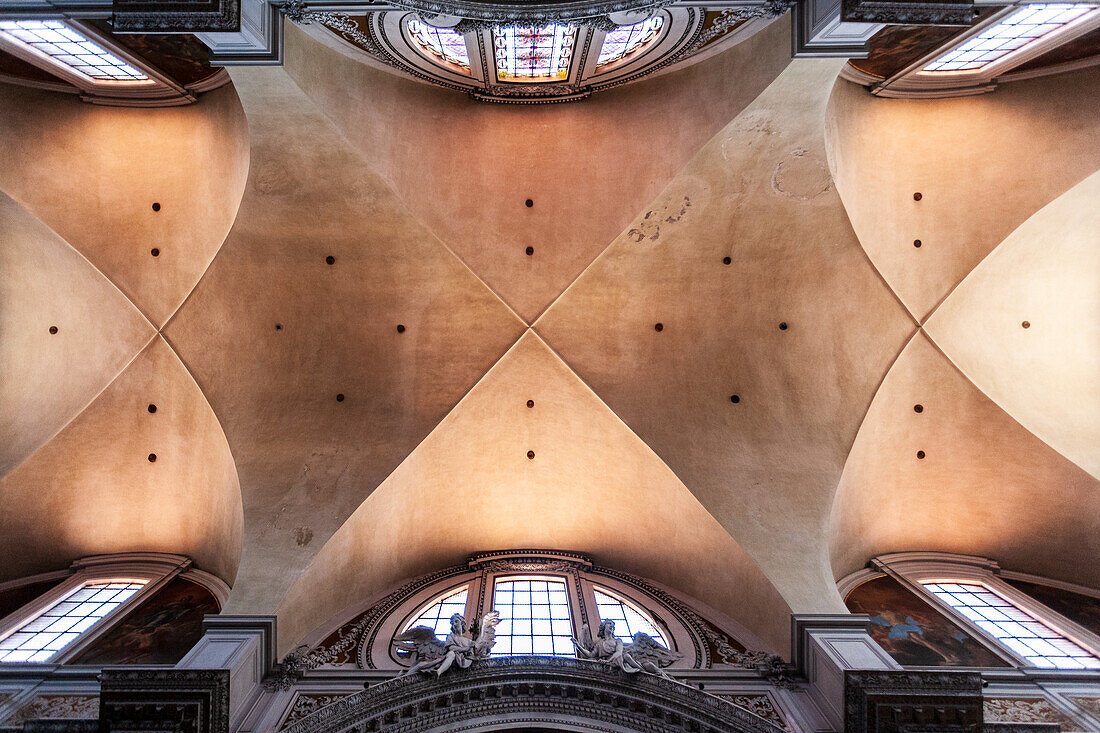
{"type": "Point", "coordinates": [645, 654]}
{"type": "Point", "coordinates": [429, 653]}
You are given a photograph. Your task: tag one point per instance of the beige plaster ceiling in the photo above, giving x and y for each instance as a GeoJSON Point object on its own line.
{"type": "Point", "coordinates": [592, 486]}
{"type": "Point", "coordinates": [1047, 274]}
{"type": "Point", "coordinates": [92, 489]}
{"type": "Point", "coordinates": [306, 461]}
{"type": "Point", "coordinates": [588, 168]}
{"type": "Point", "coordinates": [47, 379]}
{"type": "Point", "coordinates": [766, 467]}
{"type": "Point", "coordinates": [986, 485]}
{"type": "Point", "coordinates": [981, 164]}
{"type": "Point", "coordinates": [92, 174]}
{"type": "Point", "coordinates": [641, 457]}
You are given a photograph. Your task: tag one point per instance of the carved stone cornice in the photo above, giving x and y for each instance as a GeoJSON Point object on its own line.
{"type": "Point", "coordinates": [534, 691]}
{"type": "Point", "coordinates": [175, 16]}
{"type": "Point", "coordinates": [177, 700]}
{"type": "Point", "coordinates": [888, 701]}
{"type": "Point", "coordinates": [948, 12]}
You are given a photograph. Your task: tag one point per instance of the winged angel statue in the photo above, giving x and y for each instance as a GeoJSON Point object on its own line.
{"type": "Point", "coordinates": [644, 655]}
{"type": "Point", "coordinates": [460, 647]}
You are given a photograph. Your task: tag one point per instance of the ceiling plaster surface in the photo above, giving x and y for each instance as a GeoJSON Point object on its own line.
{"type": "Point", "coordinates": [766, 468]}
{"type": "Point", "coordinates": [465, 168]}
{"type": "Point", "coordinates": [982, 165]}
{"type": "Point", "coordinates": [1047, 376]}
{"type": "Point", "coordinates": [48, 378]}
{"type": "Point", "coordinates": [92, 174]}
{"type": "Point", "coordinates": [592, 486]}
{"type": "Point", "coordinates": [92, 490]}
{"type": "Point", "coordinates": [987, 486]}
{"type": "Point", "coordinates": [306, 461]}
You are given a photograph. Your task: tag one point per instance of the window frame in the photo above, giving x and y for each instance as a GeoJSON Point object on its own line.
{"type": "Point", "coordinates": [155, 570]}
{"type": "Point", "coordinates": [914, 569]}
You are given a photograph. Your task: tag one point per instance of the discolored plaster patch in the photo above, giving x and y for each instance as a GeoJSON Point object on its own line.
{"type": "Point", "coordinates": [801, 176]}
{"type": "Point", "coordinates": [650, 226]}
{"type": "Point", "coordinates": [303, 536]}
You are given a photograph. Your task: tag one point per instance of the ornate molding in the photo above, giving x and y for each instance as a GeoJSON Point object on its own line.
{"type": "Point", "coordinates": [730, 17]}
{"type": "Point", "coordinates": [913, 702]}
{"type": "Point", "coordinates": [175, 16]}
{"type": "Point", "coordinates": [533, 690]}
{"type": "Point", "coordinates": [177, 700]}
{"type": "Point", "coordinates": [951, 12]}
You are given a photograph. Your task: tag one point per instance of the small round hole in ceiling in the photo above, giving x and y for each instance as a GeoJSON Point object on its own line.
{"type": "Point", "coordinates": [156, 206]}
{"type": "Point", "coordinates": [920, 454]}
{"type": "Point", "coordinates": [155, 252]}
{"type": "Point", "coordinates": [152, 407]}
{"type": "Point", "coordinates": [401, 328]}
{"type": "Point", "coordinates": [530, 251]}
{"type": "Point", "coordinates": [735, 398]}
{"type": "Point", "coordinates": [918, 196]}
{"type": "Point", "coordinates": [330, 260]}
{"type": "Point", "coordinates": [528, 203]}
{"type": "Point", "coordinates": [530, 403]}
{"type": "Point", "coordinates": [1026, 324]}
{"type": "Point", "coordinates": [918, 408]}
{"type": "Point", "coordinates": [340, 397]}
{"type": "Point", "coordinates": [783, 326]}
{"type": "Point", "coordinates": [726, 260]}
{"type": "Point", "coordinates": [530, 454]}
{"type": "Point", "coordinates": [916, 243]}
{"type": "Point", "coordinates": [152, 457]}
{"type": "Point", "coordinates": [278, 327]}
{"type": "Point", "coordinates": [658, 327]}
{"type": "Point", "coordinates": [53, 329]}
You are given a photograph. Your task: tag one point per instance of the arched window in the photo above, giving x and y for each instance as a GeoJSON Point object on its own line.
{"type": "Point", "coordinates": [437, 614]}
{"type": "Point", "coordinates": [627, 40]}
{"type": "Point", "coordinates": [1021, 632]}
{"type": "Point", "coordinates": [443, 44]}
{"type": "Point", "coordinates": [58, 626]}
{"type": "Point", "coordinates": [534, 617]}
{"type": "Point", "coordinates": [534, 54]}
{"type": "Point", "coordinates": [628, 618]}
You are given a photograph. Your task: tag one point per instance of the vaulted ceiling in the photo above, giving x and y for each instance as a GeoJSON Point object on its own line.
{"type": "Point", "coordinates": [318, 385]}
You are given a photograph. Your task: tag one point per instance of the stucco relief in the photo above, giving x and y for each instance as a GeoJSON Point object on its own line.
{"type": "Point", "coordinates": [56, 707]}
{"type": "Point", "coordinates": [1090, 704]}
{"type": "Point", "coordinates": [1026, 710]}
{"type": "Point", "coordinates": [307, 704]}
{"type": "Point", "coordinates": [758, 705]}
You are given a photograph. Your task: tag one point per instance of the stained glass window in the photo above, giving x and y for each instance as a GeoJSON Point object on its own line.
{"type": "Point", "coordinates": [626, 40]}
{"type": "Point", "coordinates": [60, 42]}
{"type": "Point", "coordinates": [439, 43]}
{"type": "Point", "coordinates": [628, 619]}
{"type": "Point", "coordinates": [437, 614]}
{"type": "Point", "coordinates": [534, 54]}
{"type": "Point", "coordinates": [1021, 632]}
{"type": "Point", "coordinates": [1026, 25]}
{"type": "Point", "coordinates": [41, 638]}
{"type": "Point", "coordinates": [534, 617]}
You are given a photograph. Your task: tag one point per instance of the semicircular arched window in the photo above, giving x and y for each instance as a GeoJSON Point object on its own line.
{"type": "Point", "coordinates": [627, 41]}
{"type": "Point", "coordinates": [628, 618]}
{"type": "Point", "coordinates": [436, 615]}
{"type": "Point", "coordinates": [439, 44]}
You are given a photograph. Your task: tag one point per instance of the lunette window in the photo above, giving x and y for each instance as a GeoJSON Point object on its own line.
{"type": "Point", "coordinates": [56, 628]}
{"type": "Point", "coordinates": [628, 619]}
{"type": "Point", "coordinates": [441, 43]}
{"type": "Point", "coordinates": [67, 46]}
{"type": "Point", "coordinates": [1013, 627]}
{"type": "Point", "coordinates": [626, 40]}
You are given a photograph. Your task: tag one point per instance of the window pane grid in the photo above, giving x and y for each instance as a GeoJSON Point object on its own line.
{"type": "Point", "coordinates": [1026, 25]}
{"type": "Point", "coordinates": [628, 620]}
{"type": "Point", "coordinates": [1018, 630]}
{"type": "Point", "coordinates": [60, 42]}
{"type": "Point", "coordinates": [440, 43]}
{"type": "Point", "coordinates": [625, 40]}
{"type": "Point", "coordinates": [534, 53]}
{"type": "Point", "coordinates": [44, 636]}
{"type": "Point", "coordinates": [437, 616]}
{"type": "Point", "coordinates": [534, 618]}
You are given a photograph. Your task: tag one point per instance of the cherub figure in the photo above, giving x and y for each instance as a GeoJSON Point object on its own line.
{"type": "Point", "coordinates": [643, 655]}
{"type": "Point", "coordinates": [460, 647]}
